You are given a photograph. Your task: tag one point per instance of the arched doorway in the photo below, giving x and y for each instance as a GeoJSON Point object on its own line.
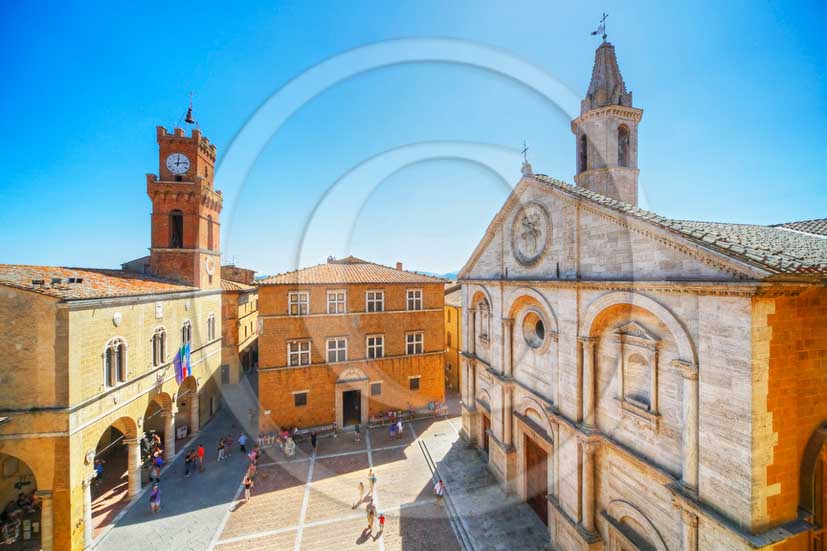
{"type": "Point", "coordinates": [813, 490]}
{"type": "Point", "coordinates": [20, 510]}
{"type": "Point", "coordinates": [117, 464]}
{"type": "Point", "coordinates": [187, 408]}
{"type": "Point", "coordinates": [159, 420]}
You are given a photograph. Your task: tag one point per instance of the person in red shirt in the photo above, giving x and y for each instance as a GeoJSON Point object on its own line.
{"type": "Point", "coordinates": [381, 522]}
{"type": "Point", "coordinates": [201, 457]}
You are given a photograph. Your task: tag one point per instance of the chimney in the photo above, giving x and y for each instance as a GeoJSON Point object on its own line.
{"type": "Point", "coordinates": [399, 266]}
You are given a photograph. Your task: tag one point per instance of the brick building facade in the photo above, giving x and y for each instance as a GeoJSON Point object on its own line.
{"type": "Point", "coordinates": [347, 340]}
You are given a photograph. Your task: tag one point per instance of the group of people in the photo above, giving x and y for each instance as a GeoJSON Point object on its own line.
{"type": "Point", "coordinates": [250, 475]}
{"type": "Point", "coordinates": [370, 509]}
{"type": "Point", "coordinates": [396, 428]}
{"type": "Point", "coordinates": [10, 516]}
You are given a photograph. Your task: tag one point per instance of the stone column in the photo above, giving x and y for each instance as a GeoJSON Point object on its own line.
{"type": "Point", "coordinates": [588, 380]}
{"type": "Point", "coordinates": [653, 382]}
{"type": "Point", "coordinates": [472, 331]}
{"type": "Point", "coordinates": [87, 510]}
{"type": "Point", "coordinates": [472, 382]}
{"type": "Point", "coordinates": [508, 359]}
{"type": "Point", "coordinates": [47, 517]}
{"type": "Point", "coordinates": [195, 423]}
{"type": "Point", "coordinates": [689, 529]}
{"type": "Point", "coordinates": [169, 435]}
{"type": "Point", "coordinates": [133, 469]}
{"type": "Point", "coordinates": [689, 372]}
{"type": "Point", "coordinates": [587, 497]}
{"type": "Point", "coordinates": [507, 416]}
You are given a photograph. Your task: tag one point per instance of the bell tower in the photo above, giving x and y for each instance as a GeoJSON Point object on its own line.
{"type": "Point", "coordinates": [185, 210]}
{"type": "Point", "coordinates": [606, 132]}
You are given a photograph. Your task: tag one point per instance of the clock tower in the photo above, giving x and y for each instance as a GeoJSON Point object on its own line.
{"type": "Point", "coordinates": [185, 210]}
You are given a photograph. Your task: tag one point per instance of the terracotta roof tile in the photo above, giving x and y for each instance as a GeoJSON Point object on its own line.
{"type": "Point", "coordinates": [85, 283]}
{"type": "Point", "coordinates": [772, 248]}
{"type": "Point", "coordinates": [228, 285]}
{"type": "Point", "coordinates": [454, 298]}
{"type": "Point", "coordinates": [345, 271]}
{"type": "Point", "coordinates": [816, 227]}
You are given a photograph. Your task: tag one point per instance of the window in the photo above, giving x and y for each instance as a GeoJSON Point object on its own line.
{"type": "Point", "coordinates": [336, 302]}
{"type": "Point", "coordinates": [622, 146]}
{"type": "Point", "coordinates": [186, 333]}
{"type": "Point", "coordinates": [584, 153]}
{"type": "Point", "coordinates": [375, 301]}
{"type": "Point", "coordinates": [413, 343]}
{"type": "Point", "coordinates": [114, 362]}
{"type": "Point", "coordinates": [298, 353]}
{"type": "Point", "coordinates": [336, 350]}
{"type": "Point", "coordinates": [449, 316]}
{"type": "Point", "coordinates": [376, 346]}
{"type": "Point", "coordinates": [534, 330]}
{"type": "Point", "coordinates": [159, 346]}
{"type": "Point", "coordinates": [485, 319]}
{"type": "Point", "coordinates": [414, 299]}
{"type": "Point", "coordinates": [209, 232]}
{"type": "Point", "coordinates": [176, 229]}
{"type": "Point", "coordinates": [413, 382]}
{"type": "Point", "coordinates": [211, 327]}
{"type": "Point", "coordinates": [376, 389]}
{"type": "Point", "coordinates": [298, 303]}
{"type": "Point", "coordinates": [449, 340]}
{"type": "Point", "coordinates": [300, 398]}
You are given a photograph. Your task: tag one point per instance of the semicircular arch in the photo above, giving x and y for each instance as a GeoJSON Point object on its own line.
{"type": "Point", "coordinates": [620, 510]}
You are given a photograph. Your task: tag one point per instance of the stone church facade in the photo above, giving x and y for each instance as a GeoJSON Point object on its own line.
{"type": "Point", "coordinates": [646, 383]}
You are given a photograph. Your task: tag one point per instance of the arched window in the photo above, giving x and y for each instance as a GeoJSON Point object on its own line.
{"type": "Point", "coordinates": [186, 333]}
{"type": "Point", "coordinates": [584, 153]}
{"type": "Point", "coordinates": [114, 362]}
{"type": "Point", "coordinates": [623, 145]}
{"type": "Point", "coordinates": [485, 319]}
{"type": "Point", "coordinates": [209, 232]}
{"type": "Point", "coordinates": [176, 229]}
{"type": "Point", "coordinates": [211, 327]}
{"type": "Point", "coordinates": [159, 346]}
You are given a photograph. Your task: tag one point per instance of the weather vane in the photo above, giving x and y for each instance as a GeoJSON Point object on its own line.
{"type": "Point", "coordinates": [601, 29]}
{"type": "Point", "coordinates": [524, 151]}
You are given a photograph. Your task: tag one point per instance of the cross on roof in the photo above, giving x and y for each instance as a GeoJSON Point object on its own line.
{"type": "Point", "coordinates": [601, 28]}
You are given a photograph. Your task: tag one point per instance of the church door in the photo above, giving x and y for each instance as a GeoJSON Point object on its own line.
{"type": "Point", "coordinates": [486, 426]}
{"type": "Point", "coordinates": [352, 407]}
{"type": "Point", "coordinates": [820, 493]}
{"type": "Point", "coordinates": [536, 474]}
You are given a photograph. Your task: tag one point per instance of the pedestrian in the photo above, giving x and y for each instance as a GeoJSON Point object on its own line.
{"type": "Point", "coordinates": [392, 431]}
{"type": "Point", "coordinates": [358, 430]}
{"type": "Point", "coordinates": [334, 429]}
{"type": "Point", "coordinates": [372, 480]}
{"type": "Point", "coordinates": [201, 457]}
{"type": "Point", "coordinates": [155, 499]}
{"type": "Point", "coordinates": [361, 494]}
{"type": "Point", "coordinates": [248, 485]}
{"type": "Point", "coordinates": [371, 514]}
{"type": "Point", "coordinates": [220, 450]}
{"type": "Point", "coordinates": [439, 489]}
{"type": "Point", "coordinates": [188, 459]}
{"type": "Point", "coordinates": [314, 439]}
{"type": "Point", "coordinates": [228, 446]}
{"type": "Point", "coordinates": [381, 522]}
{"type": "Point", "coordinates": [242, 442]}
{"type": "Point", "coordinates": [399, 428]}
{"type": "Point", "coordinates": [155, 474]}
{"type": "Point", "coordinates": [99, 471]}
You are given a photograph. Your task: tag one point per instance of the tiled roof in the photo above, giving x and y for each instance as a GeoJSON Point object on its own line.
{"type": "Point", "coordinates": [85, 283]}
{"type": "Point", "coordinates": [453, 297]}
{"type": "Point", "coordinates": [816, 227]}
{"type": "Point", "coordinates": [228, 285]}
{"type": "Point", "coordinates": [345, 271]}
{"type": "Point", "coordinates": [771, 248]}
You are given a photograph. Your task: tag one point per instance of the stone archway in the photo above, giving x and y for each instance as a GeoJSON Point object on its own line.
{"type": "Point", "coordinates": [187, 408]}
{"type": "Point", "coordinates": [159, 418]}
{"type": "Point", "coordinates": [619, 513]}
{"type": "Point", "coordinates": [810, 463]}
{"type": "Point", "coordinates": [26, 523]}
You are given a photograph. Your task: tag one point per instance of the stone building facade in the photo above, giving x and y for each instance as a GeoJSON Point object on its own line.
{"type": "Point", "coordinates": [646, 383]}
{"type": "Point", "coordinates": [88, 354]}
{"type": "Point", "coordinates": [346, 340]}
{"type": "Point", "coordinates": [239, 312]}
{"type": "Point", "coordinates": [453, 337]}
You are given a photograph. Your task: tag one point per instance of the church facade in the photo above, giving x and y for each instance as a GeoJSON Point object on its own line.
{"type": "Point", "coordinates": [642, 382]}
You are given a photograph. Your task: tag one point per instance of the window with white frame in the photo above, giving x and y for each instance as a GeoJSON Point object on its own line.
{"type": "Point", "coordinates": [414, 343]}
{"type": "Point", "coordinates": [159, 346]}
{"type": "Point", "coordinates": [114, 362]}
{"type": "Point", "coordinates": [336, 349]}
{"type": "Point", "coordinates": [336, 302]}
{"type": "Point", "coordinates": [211, 327]}
{"type": "Point", "coordinates": [375, 301]}
{"type": "Point", "coordinates": [298, 303]}
{"type": "Point", "coordinates": [186, 333]}
{"type": "Point", "coordinates": [414, 299]}
{"type": "Point", "coordinates": [298, 353]}
{"type": "Point", "coordinates": [376, 346]}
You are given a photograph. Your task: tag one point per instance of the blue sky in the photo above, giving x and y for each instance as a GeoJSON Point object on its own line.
{"type": "Point", "coordinates": [733, 128]}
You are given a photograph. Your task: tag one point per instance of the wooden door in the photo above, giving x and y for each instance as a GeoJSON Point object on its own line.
{"type": "Point", "coordinates": [536, 473]}
{"type": "Point", "coordinates": [486, 426]}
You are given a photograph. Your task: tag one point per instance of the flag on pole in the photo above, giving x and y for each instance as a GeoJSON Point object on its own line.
{"type": "Point", "coordinates": [176, 362]}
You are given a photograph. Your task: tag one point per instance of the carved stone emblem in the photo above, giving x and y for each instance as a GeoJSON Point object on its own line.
{"type": "Point", "coordinates": [530, 233]}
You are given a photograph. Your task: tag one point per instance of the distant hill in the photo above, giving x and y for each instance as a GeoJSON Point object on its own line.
{"type": "Point", "coordinates": [448, 275]}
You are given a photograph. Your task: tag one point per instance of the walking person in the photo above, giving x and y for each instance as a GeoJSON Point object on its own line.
{"type": "Point", "coordinates": [372, 481]}
{"type": "Point", "coordinates": [361, 494]}
{"type": "Point", "coordinates": [155, 474]}
{"type": "Point", "coordinates": [188, 459]}
{"type": "Point", "coordinates": [371, 509]}
{"type": "Point", "coordinates": [399, 428]}
{"type": "Point", "coordinates": [248, 485]}
{"type": "Point", "coordinates": [439, 489]}
{"type": "Point", "coordinates": [381, 523]}
{"type": "Point", "coordinates": [242, 443]}
{"type": "Point", "coordinates": [358, 430]}
{"type": "Point", "coordinates": [314, 439]}
{"type": "Point", "coordinates": [155, 499]}
{"type": "Point", "coordinates": [220, 450]}
{"type": "Point", "coordinates": [228, 446]}
{"type": "Point", "coordinates": [201, 458]}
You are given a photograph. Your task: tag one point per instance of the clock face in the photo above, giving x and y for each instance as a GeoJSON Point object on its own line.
{"type": "Point", "coordinates": [177, 163]}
